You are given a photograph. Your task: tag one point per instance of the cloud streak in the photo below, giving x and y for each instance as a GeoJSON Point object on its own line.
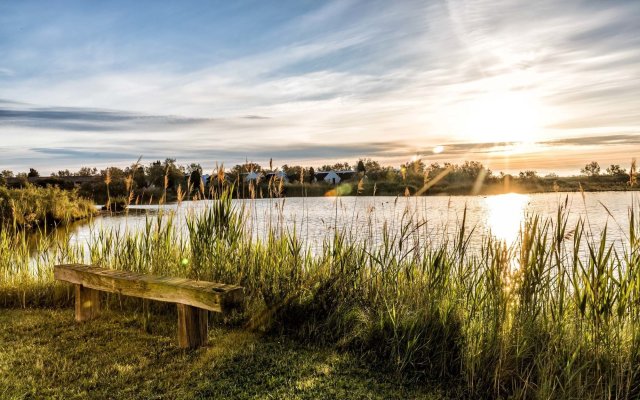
{"type": "Point", "coordinates": [318, 80]}
{"type": "Point", "coordinates": [93, 120]}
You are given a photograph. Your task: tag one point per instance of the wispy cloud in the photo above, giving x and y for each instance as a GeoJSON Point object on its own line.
{"type": "Point", "coordinates": [79, 119]}
{"type": "Point", "coordinates": [318, 81]}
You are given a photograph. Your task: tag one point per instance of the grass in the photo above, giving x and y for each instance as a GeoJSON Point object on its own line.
{"type": "Point", "coordinates": [33, 207]}
{"type": "Point", "coordinates": [556, 315]}
{"type": "Point", "coordinates": [45, 354]}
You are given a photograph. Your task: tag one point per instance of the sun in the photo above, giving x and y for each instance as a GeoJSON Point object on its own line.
{"type": "Point", "coordinates": [501, 116]}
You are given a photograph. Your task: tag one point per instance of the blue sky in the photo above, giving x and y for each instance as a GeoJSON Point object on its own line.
{"type": "Point", "coordinates": [517, 85]}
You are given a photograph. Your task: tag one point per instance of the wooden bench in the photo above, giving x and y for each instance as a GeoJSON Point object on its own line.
{"type": "Point", "coordinates": [194, 298]}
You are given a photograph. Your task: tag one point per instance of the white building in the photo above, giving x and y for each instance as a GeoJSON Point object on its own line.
{"type": "Point", "coordinates": [252, 176]}
{"type": "Point", "coordinates": [332, 177]}
{"type": "Point", "coordinates": [277, 175]}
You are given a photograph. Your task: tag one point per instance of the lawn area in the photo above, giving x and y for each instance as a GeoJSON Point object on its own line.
{"type": "Point", "coordinates": [45, 354]}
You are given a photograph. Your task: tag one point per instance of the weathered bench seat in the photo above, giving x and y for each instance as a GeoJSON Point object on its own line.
{"type": "Point", "coordinates": [194, 298]}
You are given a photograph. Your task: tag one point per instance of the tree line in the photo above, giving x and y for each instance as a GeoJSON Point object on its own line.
{"type": "Point", "coordinates": [169, 180]}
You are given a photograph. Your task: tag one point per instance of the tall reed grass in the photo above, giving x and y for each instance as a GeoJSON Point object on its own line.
{"type": "Point", "coordinates": [32, 207]}
{"type": "Point", "coordinates": [556, 315]}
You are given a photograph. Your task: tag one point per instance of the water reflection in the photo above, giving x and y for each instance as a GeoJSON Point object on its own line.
{"type": "Point", "coordinates": [315, 218]}
{"type": "Point", "coordinates": [505, 215]}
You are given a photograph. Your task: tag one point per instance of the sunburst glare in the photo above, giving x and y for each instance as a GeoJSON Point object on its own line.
{"type": "Point", "coordinates": [505, 215]}
{"type": "Point", "coordinates": [501, 116]}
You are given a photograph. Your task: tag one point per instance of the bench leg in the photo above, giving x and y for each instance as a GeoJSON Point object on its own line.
{"type": "Point", "coordinates": [87, 303]}
{"type": "Point", "coordinates": [193, 326]}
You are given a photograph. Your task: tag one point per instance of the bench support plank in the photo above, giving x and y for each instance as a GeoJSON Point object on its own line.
{"type": "Point", "coordinates": [87, 303]}
{"type": "Point", "coordinates": [193, 326]}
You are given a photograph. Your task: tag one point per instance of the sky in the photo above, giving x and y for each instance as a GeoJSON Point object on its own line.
{"type": "Point", "coordinates": [517, 85]}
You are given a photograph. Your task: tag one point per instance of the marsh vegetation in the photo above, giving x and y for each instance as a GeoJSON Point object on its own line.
{"type": "Point", "coordinates": [32, 207]}
{"type": "Point", "coordinates": [555, 314]}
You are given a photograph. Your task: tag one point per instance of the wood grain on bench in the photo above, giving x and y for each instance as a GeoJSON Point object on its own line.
{"type": "Point", "coordinates": [206, 295]}
{"type": "Point", "coordinates": [193, 298]}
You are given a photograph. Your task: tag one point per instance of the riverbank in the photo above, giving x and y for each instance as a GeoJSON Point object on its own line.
{"type": "Point", "coordinates": [351, 188]}
{"type": "Point", "coordinates": [121, 192]}
{"type": "Point", "coordinates": [31, 207]}
{"type": "Point", "coordinates": [45, 354]}
{"type": "Point", "coordinates": [552, 314]}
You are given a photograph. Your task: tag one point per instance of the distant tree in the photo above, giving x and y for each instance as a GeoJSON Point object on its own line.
{"type": "Point", "coordinates": [195, 176]}
{"type": "Point", "coordinates": [370, 164]}
{"type": "Point", "coordinates": [87, 171]}
{"type": "Point", "coordinates": [238, 170]}
{"type": "Point", "coordinates": [361, 167]}
{"type": "Point", "coordinates": [136, 173]}
{"type": "Point", "coordinates": [434, 170]}
{"type": "Point", "coordinates": [616, 170]}
{"type": "Point", "coordinates": [471, 170]}
{"type": "Point", "coordinates": [389, 174]}
{"type": "Point", "coordinates": [22, 178]}
{"type": "Point", "coordinates": [336, 167]}
{"type": "Point", "coordinates": [415, 167]}
{"type": "Point", "coordinates": [293, 172]}
{"type": "Point", "coordinates": [528, 175]}
{"type": "Point", "coordinates": [251, 167]}
{"type": "Point", "coordinates": [175, 174]}
{"type": "Point", "coordinates": [64, 172]}
{"type": "Point", "coordinates": [139, 177]}
{"type": "Point", "coordinates": [235, 173]}
{"type": "Point", "coordinates": [158, 170]}
{"type": "Point", "coordinates": [373, 169]}
{"type": "Point", "coordinates": [155, 173]}
{"type": "Point", "coordinates": [505, 177]}
{"type": "Point", "coordinates": [6, 173]}
{"type": "Point", "coordinates": [591, 169]}
{"type": "Point", "coordinates": [115, 173]}
{"type": "Point", "coordinates": [3, 181]}
{"type": "Point", "coordinates": [311, 174]}
{"type": "Point", "coordinates": [33, 173]}
{"type": "Point", "coordinates": [194, 167]}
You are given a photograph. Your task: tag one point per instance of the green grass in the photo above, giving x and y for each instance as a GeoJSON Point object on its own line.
{"type": "Point", "coordinates": [33, 207]}
{"type": "Point", "coordinates": [554, 316]}
{"type": "Point", "coordinates": [45, 354]}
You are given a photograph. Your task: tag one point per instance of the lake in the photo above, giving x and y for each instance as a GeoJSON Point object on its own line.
{"type": "Point", "coordinates": [438, 217]}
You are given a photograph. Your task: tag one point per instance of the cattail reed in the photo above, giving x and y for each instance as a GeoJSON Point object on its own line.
{"type": "Point", "coordinates": [553, 315]}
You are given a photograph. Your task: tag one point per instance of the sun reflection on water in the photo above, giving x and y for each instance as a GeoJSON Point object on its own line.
{"type": "Point", "coordinates": [505, 214]}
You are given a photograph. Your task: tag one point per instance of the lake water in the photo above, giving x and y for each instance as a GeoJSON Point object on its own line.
{"type": "Point", "coordinates": [316, 219]}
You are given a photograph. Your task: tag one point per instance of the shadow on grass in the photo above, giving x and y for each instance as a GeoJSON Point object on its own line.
{"type": "Point", "coordinates": [45, 354]}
